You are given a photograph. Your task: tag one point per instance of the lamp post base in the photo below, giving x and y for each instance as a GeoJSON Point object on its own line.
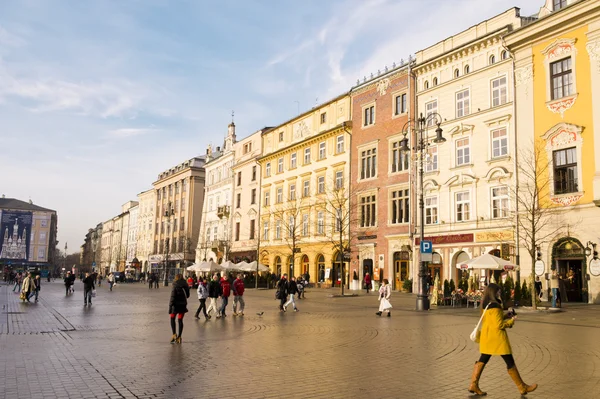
{"type": "Point", "coordinates": [166, 283]}
{"type": "Point", "coordinates": [422, 303]}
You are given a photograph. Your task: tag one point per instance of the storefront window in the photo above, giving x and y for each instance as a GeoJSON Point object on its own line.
{"type": "Point", "coordinates": [321, 268]}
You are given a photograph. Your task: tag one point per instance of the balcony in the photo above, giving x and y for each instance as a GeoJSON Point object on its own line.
{"type": "Point", "coordinates": [217, 245]}
{"type": "Point", "coordinates": [223, 211]}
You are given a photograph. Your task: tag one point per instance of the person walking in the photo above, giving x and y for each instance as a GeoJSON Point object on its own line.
{"type": "Point", "coordinates": [300, 283]}
{"type": "Point", "coordinates": [367, 282]}
{"type": "Point", "coordinates": [292, 290]}
{"type": "Point", "coordinates": [178, 306]}
{"type": "Point", "coordinates": [99, 280]}
{"type": "Point", "coordinates": [150, 280]}
{"type": "Point", "coordinates": [111, 281]}
{"type": "Point", "coordinates": [214, 291]}
{"type": "Point", "coordinates": [18, 281]}
{"type": "Point", "coordinates": [238, 296]}
{"type": "Point", "coordinates": [38, 286]}
{"type": "Point", "coordinates": [202, 295]}
{"type": "Point", "coordinates": [27, 288]}
{"type": "Point", "coordinates": [494, 340]}
{"type": "Point", "coordinates": [68, 283]}
{"type": "Point", "coordinates": [385, 291]}
{"type": "Point", "coordinates": [225, 292]}
{"type": "Point", "coordinates": [155, 280]}
{"type": "Point", "coordinates": [554, 284]}
{"type": "Point", "coordinates": [88, 286]}
{"type": "Point", "coordinates": [282, 292]}
{"type": "Point", "coordinates": [538, 287]}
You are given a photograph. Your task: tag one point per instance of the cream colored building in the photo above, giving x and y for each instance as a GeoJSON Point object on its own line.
{"type": "Point", "coordinates": [245, 203]}
{"type": "Point", "coordinates": [468, 80]}
{"type": "Point", "coordinates": [303, 161]}
{"type": "Point", "coordinates": [178, 214]}
{"type": "Point", "coordinates": [215, 230]}
{"type": "Point", "coordinates": [115, 240]}
{"type": "Point", "coordinates": [145, 227]}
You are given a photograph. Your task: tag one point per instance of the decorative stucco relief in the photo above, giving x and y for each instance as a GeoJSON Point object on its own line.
{"type": "Point", "coordinates": [559, 49]}
{"type": "Point", "coordinates": [593, 49]}
{"type": "Point", "coordinates": [524, 76]}
{"type": "Point", "coordinates": [561, 106]}
{"type": "Point", "coordinates": [567, 200]}
{"type": "Point", "coordinates": [301, 130]}
{"type": "Point", "coordinates": [382, 86]}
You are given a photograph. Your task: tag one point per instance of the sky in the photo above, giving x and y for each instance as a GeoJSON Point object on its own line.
{"type": "Point", "coordinates": [98, 97]}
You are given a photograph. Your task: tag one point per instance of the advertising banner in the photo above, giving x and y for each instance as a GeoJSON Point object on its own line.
{"type": "Point", "coordinates": [15, 234]}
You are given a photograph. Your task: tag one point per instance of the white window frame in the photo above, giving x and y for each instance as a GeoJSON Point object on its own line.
{"type": "Point", "coordinates": [499, 198]}
{"type": "Point", "coordinates": [463, 103]}
{"type": "Point", "coordinates": [462, 206]}
{"type": "Point", "coordinates": [503, 145]}
{"type": "Point", "coordinates": [463, 152]}
{"type": "Point", "coordinates": [339, 146]}
{"type": "Point", "coordinates": [400, 159]}
{"type": "Point", "coordinates": [268, 169]}
{"type": "Point", "coordinates": [280, 165]}
{"type": "Point", "coordinates": [430, 108]}
{"type": "Point", "coordinates": [432, 159]}
{"type": "Point", "coordinates": [305, 225]}
{"type": "Point", "coordinates": [339, 179]}
{"type": "Point", "coordinates": [292, 193]}
{"type": "Point", "coordinates": [322, 150]}
{"type": "Point", "coordinates": [306, 188]}
{"type": "Point", "coordinates": [403, 104]}
{"type": "Point", "coordinates": [321, 185]}
{"type": "Point", "coordinates": [368, 115]}
{"type": "Point", "coordinates": [368, 163]}
{"type": "Point", "coordinates": [368, 207]}
{"type": "Point", "coordinates": [400, 199]}
{"type": "Point", "coordinates": [278, 229]}
{"type": "Point", "coordinates": [431, 210]}
{"type": "Point", "coordinates": [499, 94]}
{"type": "Point", "coordinates": [320, 223]}
{"type": "Point", "coordinates": [293, 160]}
{"type": "Point", "coordinates": [267, 200]}
{"type": "Point", "coordinates": [279, 198]}
{"type": "Point", "coordinates": [306, 155]}
{"type": "Point", "coordinates": [266, 231]}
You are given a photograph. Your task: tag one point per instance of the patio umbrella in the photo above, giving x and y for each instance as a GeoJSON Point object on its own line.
{"type": "Point", "coordinates": [261, 267]}
{"type": "Point", "coordinates": [205, 266]}
{"type": "Point", "coordinates": [229, 266]}
{"type": "Point", "coordinates": [487, 261]}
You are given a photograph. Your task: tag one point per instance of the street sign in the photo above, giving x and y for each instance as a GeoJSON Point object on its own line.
{"type": "Point", "coordinates": [346, 256]}
{"type": "Point", "coordinates": [93, 263]}
{"type": "Point", "coordinates": [539, 267]}
{"type": "Point", "coordinates": [426, 248]}
{"type": "Point", "coordinates": [595, 267]}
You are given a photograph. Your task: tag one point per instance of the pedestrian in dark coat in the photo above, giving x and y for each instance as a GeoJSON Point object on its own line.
{"type": "Point", "coordinates": [89, 284]}
{"type": "Point", "coordinates": [214, 292]}
{"type": "Point", "coordinates": [282, 292]}
{"type": "Point", "coordinates": [178, 305]}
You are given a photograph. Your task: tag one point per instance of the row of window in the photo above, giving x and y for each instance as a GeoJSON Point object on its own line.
{"type": "Point", "coordinates": [166, 226]}
{"type": "Point", "coordinates": [399, 161]}
{"type": "Point", "coordinates": [306, 192]}
{"type": "Point", "coordinates": [239, 176]}
{"type": "Point", "coordinates": [301, 227]}
{"type": "Point", "coordinates": [323, 120]}
{"type": "Point", "coordinates": [174, 245]}
{"type": "Point", "coordinates": [400, 211]}
{"type": "Point", "coordinates": [307, 156]}
{"type": "Point", "coordinates": [168, 190]}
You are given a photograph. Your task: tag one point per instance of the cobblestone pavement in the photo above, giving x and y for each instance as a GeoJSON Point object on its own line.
{"type": "Point", "coordinates": [332, 348]}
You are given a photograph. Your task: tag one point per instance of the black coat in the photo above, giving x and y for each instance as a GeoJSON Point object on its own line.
{"type": "Point", "coordinates": [282, 288]}
{"type": "Point", "coordinates": [292, 288]}
{"type": "Point", "coordinates": [89, 283]}
{"type": "Point", "coordinates": [214, 289]}
{"type": "Point", "coordinates": [179, 296]}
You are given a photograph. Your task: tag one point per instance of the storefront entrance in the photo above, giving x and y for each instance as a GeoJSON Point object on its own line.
{"type": "Point", "coordinates": [568, 257]}
{"type": "Point", "coordinates": [400, 268]}
{"type": "Point", "coordinates": [368, 268]}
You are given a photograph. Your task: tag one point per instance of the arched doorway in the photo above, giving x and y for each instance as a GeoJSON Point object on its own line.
{"type": "Point", "coordinates": [461, 274]}
{"type": "Point", "coordinates": [304, 262]}
{"type": "Point", "coordinates": [568, 259]}
{"type": "Point", "coordinates": [401, 259]}
{"type": "Point", "coordinates": [321, 269]}
{"type": "Point", "coordinates": [336, 276]}
{"type": "Point", "coordinates": [435, 267]}
{"type": "Point", "coordinates": [278, 266]}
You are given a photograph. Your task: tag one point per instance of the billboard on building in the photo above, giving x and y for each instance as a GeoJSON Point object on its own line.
{"type": "Point", "coordinates": [15, 235]}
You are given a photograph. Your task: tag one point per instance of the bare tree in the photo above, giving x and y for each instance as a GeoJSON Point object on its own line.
{"type": "Point", "coordinates": [341, 214]}
{"type": "Point", "coordinates": [289, 216]}
{"type": "Point", "coordinates": [535, 218]}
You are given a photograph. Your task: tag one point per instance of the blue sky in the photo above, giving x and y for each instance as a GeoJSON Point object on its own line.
{"type": "Point", "coordinates": [98, 97]}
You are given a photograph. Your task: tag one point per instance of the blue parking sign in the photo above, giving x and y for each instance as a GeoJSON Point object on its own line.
{"type": "Point", "coordinates": [426, 247]}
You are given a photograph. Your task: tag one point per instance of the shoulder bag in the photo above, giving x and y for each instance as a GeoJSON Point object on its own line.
{"type": "Point", "coordinates": [476, 334]}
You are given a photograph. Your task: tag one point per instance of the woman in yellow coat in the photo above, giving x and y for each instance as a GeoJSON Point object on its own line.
{"type": "Point", "coordinates": [494, 340]}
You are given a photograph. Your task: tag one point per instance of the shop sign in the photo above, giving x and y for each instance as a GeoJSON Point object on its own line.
{"type": "Point", "coordinates": [371, 237]}
{"type": "Point", "coordinates": [539, 267]}
{"type": "Point", "coordinates": [494, 236]}
{"type": "Point", "coordinates": [595, 267]}
{"type": "Point", "coordinates": [450, 239]}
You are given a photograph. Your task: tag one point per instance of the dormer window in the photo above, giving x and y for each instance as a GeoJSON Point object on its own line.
{"type": "Point", "coordinates": [456, 73]}
{"type": "Point", "coordinates": [559, 4]}
{"type": "Point", "coordinates": [435, 82]}
{"type": "Point", "coordinates": [504, 55]}
{"type": "Point", "coordinates": [492, 59]}
{"type": "Point", "coordinates": [426, 85]}
{"type": "Point", "coordinates": [467, 69]}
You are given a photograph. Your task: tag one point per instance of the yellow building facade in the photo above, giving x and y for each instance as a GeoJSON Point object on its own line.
{"type": "Point", "coordinates": [303, 162]}
{"type": "Point", "coordinates": [557, 78]}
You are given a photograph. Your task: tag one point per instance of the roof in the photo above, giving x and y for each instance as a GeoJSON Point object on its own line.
{"type": "Point", "coordinates": [12, 203]}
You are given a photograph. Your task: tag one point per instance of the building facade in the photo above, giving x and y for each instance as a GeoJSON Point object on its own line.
{"type": "Point", "coordinates": [28, 236]}
{"type": "Point", "coordinates": [381, 185]}
{"type": "Point", "coordinates": [178, 214]}
{"type": "Point", "coordinates": [215, 231]}
{"type": "Point", "coordinates": [557, 77]}
{"type": "Point", "coordinates": [91, 250]}
{"type": "Point", "coordinates": [132, 234]}
{"type": "Point", "coordinates": [305, 167]}
{"type": "Point", "coordinates": [469, 179]}
{"type": "Point", "coordinates": [246, 198]}
{"type": "Point", "coordinates": [145, 228]}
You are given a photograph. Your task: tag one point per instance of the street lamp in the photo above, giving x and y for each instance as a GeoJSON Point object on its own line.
{"type": "Point", "coordinates": [168, 213]}
{"type": "Point", "coordinates": [421, 125]}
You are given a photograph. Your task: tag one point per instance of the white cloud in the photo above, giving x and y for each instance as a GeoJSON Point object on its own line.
{"type": "Point", "coordinates": [129, 132]}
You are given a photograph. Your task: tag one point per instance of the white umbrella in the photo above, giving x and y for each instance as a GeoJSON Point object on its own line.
{"type": "Point", "coordinates": [487, 261]}
{"type": "Point", "coordinates": [209, 266]}
{"type": "Point", "coordinates": [261, 267]}
{"type": "Point", "coordinates": [229, 266]}
{"type": "Point", "coordinates": [243, 266]}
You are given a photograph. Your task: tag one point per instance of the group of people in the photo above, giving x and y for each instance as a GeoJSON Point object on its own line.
{"type": "Point", "coordinates": [287, 290]}
{"type": "Point", "coordinates": [27, 285]}
{"type": "Point", "coordinates": [89, 285]}
{"type": "Point", "coordinates": [217, 287]}
{"type": "Point", "coordinates": [152, 280]}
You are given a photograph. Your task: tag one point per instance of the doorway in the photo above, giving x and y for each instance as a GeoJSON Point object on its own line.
{"type": "Point", "coordinates": [568, 258]}
{"type": "Point", "coordinates": [400, 269]}
{"type": "Point", "coordinates": [336, 275]}
{"type": "Point", "coordinates": [368, 268]}
{"type": "Point", "coordinates": [570, 271]}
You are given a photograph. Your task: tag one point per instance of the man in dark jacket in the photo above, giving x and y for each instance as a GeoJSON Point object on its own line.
{"type": "Point", "coordinates": [225, 292]}
{"type": "Point", "coordinates": [292, 290]}
{"type": "Point", "coordinates": [282, 291]}
{"type": "Point", "coordinates": [214, 291]}
{"type": "Point", "coordinates": [88, 286]}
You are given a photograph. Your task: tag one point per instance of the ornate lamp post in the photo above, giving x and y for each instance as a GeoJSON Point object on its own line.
{"type": "Point", "coordinates": [421, 125]}
{"type": "Point", "coordinates": [168, 213]}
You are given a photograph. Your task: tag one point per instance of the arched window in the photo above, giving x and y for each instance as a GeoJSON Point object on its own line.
{"type": "Point", "coordinates": [435, 82]}
{"type": "Point", "coordinates": [321, 268]}
{"type": "Point", "coordinates": [290, 266]}
{"type": "Point", "coordinates": [492, 59]}
{"type": "Point", "coordinates": [426, 85]}
{"type": "Point", "coordinates": [467, 69]}
{"type": "Point", "coordinates": [504, 55]}
{"type": "Point", "coordinates": [278, 265]}
{"type": "Point", "coordinates": [456, 73]}
{"type": "Point", "coordinates": [305, 264]}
